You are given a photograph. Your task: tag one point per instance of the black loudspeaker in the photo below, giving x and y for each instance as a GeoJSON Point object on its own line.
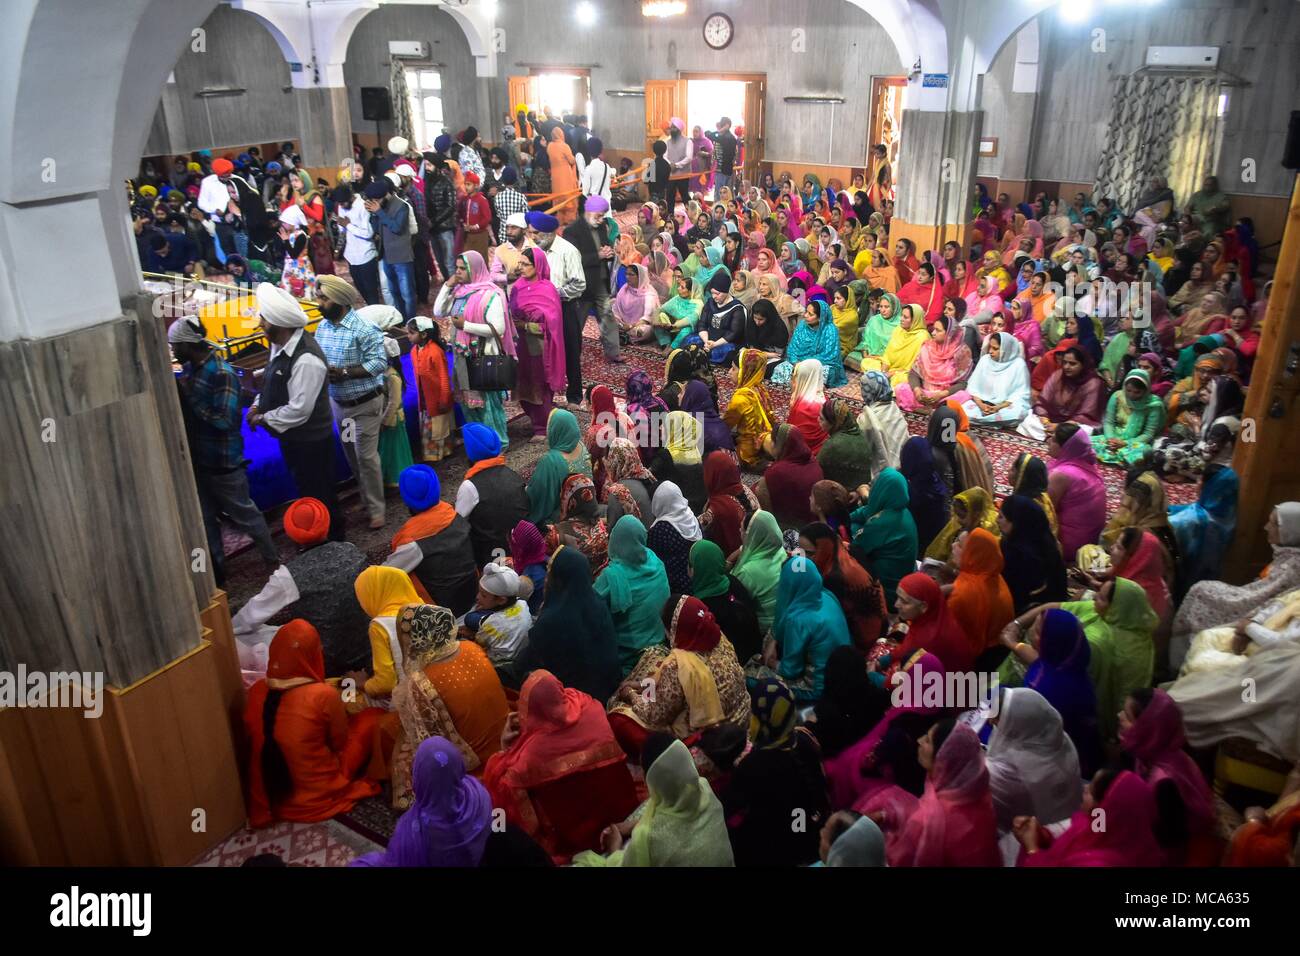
{"type": "Point", "coordinates": [375, 103]}
{"type": "Point", "coordinates": [1291, 158]}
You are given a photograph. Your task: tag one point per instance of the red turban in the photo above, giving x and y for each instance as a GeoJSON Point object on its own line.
{"type": "Point", "coordinates": [307, 521]}
{"type": "Point", "coordinates": [222, 166]}
{"type": "Point", "coordinates": [472, 178]}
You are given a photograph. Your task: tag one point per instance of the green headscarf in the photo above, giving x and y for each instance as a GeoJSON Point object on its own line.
{"type": "Point", "coordinates": [1113, 357]}
{"type": "Point", "coordinates": [635, 586]}
{"type": "Point", "coordinates": [708, 570]}
{"type": "Point", "coordinates": [562, 435]}
{"type": "Point", "coordinates": [878, 330]}
{"type": "Point", "coordinates": [562, 431]}
{"type": "Point", "coordinates": [759, 566]}
{"type": "Point", "coordinates": [1146, 416]}
{"type": "Point", "coordinates": [885, 532]}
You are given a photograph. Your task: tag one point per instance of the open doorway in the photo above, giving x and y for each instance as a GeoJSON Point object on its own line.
{"type": "Point", "coordinates": [887, 96]}
{"type": "Point", "coordinates": [564, 92]}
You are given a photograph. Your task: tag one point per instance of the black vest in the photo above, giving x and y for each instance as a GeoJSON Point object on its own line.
{"type": "Point", "coordinates": [502, 504]}
{"type": "Point", "coordinates": [447, 571]}
{"type": "Point", "coordinates": [275, 393]}
{"type": "Point", "coordinates": [327, 599]}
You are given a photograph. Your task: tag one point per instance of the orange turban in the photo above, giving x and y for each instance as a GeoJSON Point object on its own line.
{"type": "Point", "coordinates": [307, 521]}
{"type": "Point", "coordinates": [222, 166]}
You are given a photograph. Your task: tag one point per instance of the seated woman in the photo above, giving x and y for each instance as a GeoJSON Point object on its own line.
{"type": "Point", "coordinates": [766, 332]}
{"type": "Point", "coordinates": [382, 592]}
{"type": "Point", "coordinates": [980, 599]}
{"type": "Point", "coordinates": [844, 313]}
{"type": "Point", "coordinates": [683, 824]}
{"type": "Point", "coordinates": [675, 319]}
{"type": "Point", "coordinates": [1151, 732]}
{"type": "Point", "coordinates": [1033, 766]}
{"type": "Point", "coordinates": [1267, 837]}
{"type": "Point", "coordinates": [807, 395]}
{"type": "Point", "coordinates": [971, 509]}
{"type": "Point", "coordinates": [634, 585]}
{"type": "Point", "coordinates": [999, 386]}
{"type": "Point", "coordinates": [607, 424]}
{"type": "Point", "coordinates": [310, 766]}
{"type": "Point", "coordinates": [645, 410]}
{"type": "Point", "coordinates": [698, 403]}
{"type": "Point", "coordinates": [779, 778]}
{"type": "Point", "coordinates": [1032, 567]}
{"type": "Point", "coordinates": [692, 685]}
{"type": "Point", "coordinates": [730, 504]}
{"type": "Point", "coordinates": [1077, 489]}
{"type": "Point", "coordinates": [904, 348]}
{"type": "Point", "coordinates": [814, 338]}
{"type": "Point", "coordinates": [1134, 417]}
{"type": "Point", "coordinates": [924, 290]}
{"type": "Point", "coordinates": [808, 626]}
{"type": "Point", "coordinates": [860, 595]}
{"type": "Point", "coordinates": [884, 533]}
{"type": "Point", "coordinates": [566, 455]}
{"type": "Point", "coordinates": [1180, 455]}
{"type": "Point", "coordinates": [928, 495]}
{"type": "Point", "coordinates": [686, 363]}
{"type": "Point", "coordinates": [637, 304]}
{"type": "Point", "coordinates": [931, 627]}
{"type": "Point", "coordinates": [681, 458]}
{"type": "Point", "coordinates": [846, 456]}
{"type": "Point", "coordinates": [942, 366]}
{"type": "Point", "coordinates": [749, 412]}
{"type": "Point", "coordinates": [721, 326]}
{"type": "Point", "coordinates": [954, 824]}
{"type": "Point", "coordinates": [1073, 393]}
{"type": "Point", "coordinates": [561, 776]}
{"type": "Point", "coordinates": [960, 457]}
{"type": "Point", "coordinates": [629, 485]}
{"type": "Point", "coordinates": [528, 556]}
{"type": "Point", "coordinates": [726, 598]}
{"type": "Point", "coordinates": [876, 335]}
{"type": "Point", "coordinates": [785, 489]}
{"type": "Point", "coordinates": [674, 530]}
{"type": "Point", "coordinates": [1121, 796]}
{"type": "Point", "coordinates": [881, 422]}
{"type": "Point", "coordinates": [1204, 528]}
{"type": "Point", "coordinates": [449, 822]}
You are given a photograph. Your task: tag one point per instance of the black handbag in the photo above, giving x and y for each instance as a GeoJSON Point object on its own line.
{"type": "Point", "coordinates": [493, 373]}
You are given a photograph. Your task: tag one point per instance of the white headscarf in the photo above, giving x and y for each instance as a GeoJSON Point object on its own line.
{"type": "Point", "coordinates": [278, 307]}
{"type": "Point", "coordinates": [1033, 766]}
{"type": "Point", "coordinates": [1004, 379]}
{"type": "Point", "coordinates": [808, 382]}
{"type": "Point", "coordinates": [669, 505]}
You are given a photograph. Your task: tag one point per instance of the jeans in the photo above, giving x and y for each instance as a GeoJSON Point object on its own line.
{"type": "Point", "coordinates": [423, 267]}
{"type": "Point", "coordinates": [444, 247]}
{"type": "Point", "coordinates": [312, 465]}
{"type": "Point", "coordinates": [366, 277]}
{"type": "Point", "coordinates": [604, 305]}
{"type": "Point", "coordinates": [719, 182]}
{"type": "Point", "coordinates": [401, 283]}
{"type": "Point", "coordinates": [362, 451]}
{"type": "Point", "coordinates": [227, 493]}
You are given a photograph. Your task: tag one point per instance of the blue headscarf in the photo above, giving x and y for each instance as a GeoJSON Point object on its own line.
{"type": "Point", "coordinates": [927, 492]}
{"type": "Point", "coordinates": [1061, 675]}
{"type": "Point", "coordinates": [1205, 528]}
{"type": "Point", "coordinates": [1087, 337]}
{"type": "Point", "coordinates": [821, 343]}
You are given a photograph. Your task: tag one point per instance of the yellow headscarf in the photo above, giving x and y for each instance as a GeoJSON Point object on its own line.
{"type": "Point", "coordinates": [846, 320]}
{"type": "Point", "coordinates": [685, 438]}
{"type": "Point", "coordinates": [381, 591]}
{"type": "Point", "coordinates": [977, 502]}
{"type": "Point", "coordinates": [905, 345]}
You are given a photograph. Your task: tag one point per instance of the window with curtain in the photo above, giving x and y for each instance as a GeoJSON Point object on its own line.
{"type": "Point", "coordinates": [424, 95]}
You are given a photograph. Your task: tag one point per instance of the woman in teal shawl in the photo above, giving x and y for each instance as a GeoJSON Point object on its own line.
{"type": "Point", "coordinates": [1134, 417]}
{"type": "Point", "coordinates": [759, 566]}
{"type": "Point", "coordinates": [884, 533]}
{"type": "Point", "coordinates": [880, 327]}
{"type": "Point", "coordinates": [635, 586]}
{"type": "Point", "coordinates": [696, 261]}
{"type": "Point", "coordinates": [567, 456]}
{"type": "Point", "coordinates": [682, 311]}
{"type": "Point", "coordinates": [1119, 623]}
{"type": "Point", "coordinates": [704, 275]}
{"type": "Point", "coordinates": [809, 625]}
{"type": "Point", "coordinates": [821, 342]}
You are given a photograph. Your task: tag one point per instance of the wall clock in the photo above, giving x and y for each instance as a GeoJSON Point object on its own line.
{"type": "Point", "coordinates": [719, 31]}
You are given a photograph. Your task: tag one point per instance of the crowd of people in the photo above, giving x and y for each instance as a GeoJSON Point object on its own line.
{"type": "Point", "coordinates": [680, 639]}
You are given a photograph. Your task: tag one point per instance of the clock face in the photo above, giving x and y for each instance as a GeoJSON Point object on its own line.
{"type": "Point", "coordinates": [718, 31]}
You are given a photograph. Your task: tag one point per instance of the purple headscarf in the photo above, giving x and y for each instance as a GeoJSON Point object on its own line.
{"type": "Point", "coordinates": [449, 822]}
{"type": "Point", "coordinates": [698, 401]}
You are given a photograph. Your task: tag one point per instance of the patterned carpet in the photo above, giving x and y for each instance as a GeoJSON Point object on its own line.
{"type": "Point", "coordinates": [331, 843]}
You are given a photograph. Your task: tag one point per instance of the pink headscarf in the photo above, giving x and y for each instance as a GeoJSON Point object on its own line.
{"type": "Point", "coordinates": [954, 824]}
{"type": "Point", "coordinates": [479, 291]}
{"type": "Point", "coordinates": [538, 298]}
{"type": "Point", "coordinates": [942, 363]}
{"type": "Point", "coordinates": [1146, 566]}
{"type": "Point", "coordinates": [1126, 839]}
{"type": "Point", "coordinates": [630, 303]}
{"type": "Point", "coordinates": [1082, 512]}
{"type": "Point", "coordinates": [774, 271]}
{"type": "Point", "coordinates": [1156, 741]}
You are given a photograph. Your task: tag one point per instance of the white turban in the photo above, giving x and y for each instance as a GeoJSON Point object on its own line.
{"type": "Point", "coordinates": [186, 330]}
{"type": "Point", "coordinates": [382, 317]}
{"type": "Point", "coordinates": [398, 145]}
{"type": "Point", "coordinates": [393, 178]}
{"type": "Point", "coordinates": [517, 220]}
{"type": "Point", "coordinates": [1288, 522]}
{"type": "Point", "coordinates": [500, 580]}
{"type": "Point", "coordinates": [392, 347]}
{"type": "Point", "coordinates": [293, 216]}
{"type": "Point", "coordinates": [278, 307]}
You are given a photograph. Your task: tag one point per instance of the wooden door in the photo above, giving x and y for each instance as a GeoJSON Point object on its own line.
{"type": "Point", "coordinates": [522, 90]}
{"type": "Point", "coordinates": [755, 134]}
{"type": "Point", "coordinates": [886, 115]}
{"type": "Point", "coordinates": [664, 99]}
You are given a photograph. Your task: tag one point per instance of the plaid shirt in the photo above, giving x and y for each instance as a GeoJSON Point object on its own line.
{"type": "Point", "coordinates": [507, 202]}
{"type": "Point", "coordinates": [416, 198]}
{"type": "Point", "coordinates": [353, 342]}
{"type": "Point", "coordinates": [212, 415]}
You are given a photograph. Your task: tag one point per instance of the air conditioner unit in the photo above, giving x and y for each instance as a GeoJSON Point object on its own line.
{"type": "Point", "coordinates": [1183, 57]}
{"type": "Point", "coordinates": [408, 49]}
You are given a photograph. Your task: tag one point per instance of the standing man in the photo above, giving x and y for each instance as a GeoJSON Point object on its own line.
{"type": "Point", "coordinates": [510, 252]}
{"type": "Point", "coordinates": [725, 153]}
{"type": "Point", "coordinates": [210, 404]}
{"type": "Point", "coordinates": [596, 175]}
{"type": "Point", "coordinates": [233, 205]}
{"type": "Point", "coordinates": [469, 158]}
{"type": "Point", "coordinates": [591, 237]}
{"type": "Point", "coordinates": [390, 215]}
{"type": "Point", "coordinates": [359, 245]}
{"type": "Point", "coordinates": [421, 261]}
{"type": "Point", "coordinates": [294, 404]}
{"type": "Point", "coordinates": [570, 280]}
{"type": "Point", "coordinates": [508, 201]}
{"type": "Point", "coordinates": [355, 356]}
{"type": "Point", "coordinates": [440, 207]}
{"type": "Point", "coordinates": [679, 156]}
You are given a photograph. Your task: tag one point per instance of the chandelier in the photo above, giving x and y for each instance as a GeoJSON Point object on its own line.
{"type": "Point", "coordinates": [662, 8]}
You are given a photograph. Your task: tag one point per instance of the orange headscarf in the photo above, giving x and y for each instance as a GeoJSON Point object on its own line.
{"type": "Point", "coordinates": [295, 656]}
{"type": "Point", "coordinates": [980, 599]}
{"type": "Point", "coordinates": [963, 427]}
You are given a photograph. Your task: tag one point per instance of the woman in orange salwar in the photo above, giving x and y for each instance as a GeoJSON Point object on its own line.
{"type": "Point", "coordinates": [450, 689]}
{"type": "Point", "coordinates": [562, 776]}
{"type": "Point", "coordinates": [564, 176]}
{"type": "Point", "coordinates": [307, 755]}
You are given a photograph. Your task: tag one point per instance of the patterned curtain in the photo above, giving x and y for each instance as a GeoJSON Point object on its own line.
{"type": "Point", "coordinates": [400, 95]}
{"type": "Point", "coordinates": [1160, 126]}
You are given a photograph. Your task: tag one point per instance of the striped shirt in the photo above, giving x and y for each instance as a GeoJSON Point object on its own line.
{"type": "Point", "coordinates": [353, 342]}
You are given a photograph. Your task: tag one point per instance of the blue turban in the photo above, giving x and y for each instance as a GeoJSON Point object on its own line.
{"type": "Point", "coordinates": [480, 442]}
{"type": "Point", "coordinates": [441, 143]}
{"type": "Point", "coordinates": [420, 487]}
{"type": "Point", "coordinates": [542, 221]}
{"type": "Point", "coordinates": [273, 167]}
{"type": "Point", "coordinates": [509, 176]}
{"type": "Point", "coordinates": [376, 190]}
